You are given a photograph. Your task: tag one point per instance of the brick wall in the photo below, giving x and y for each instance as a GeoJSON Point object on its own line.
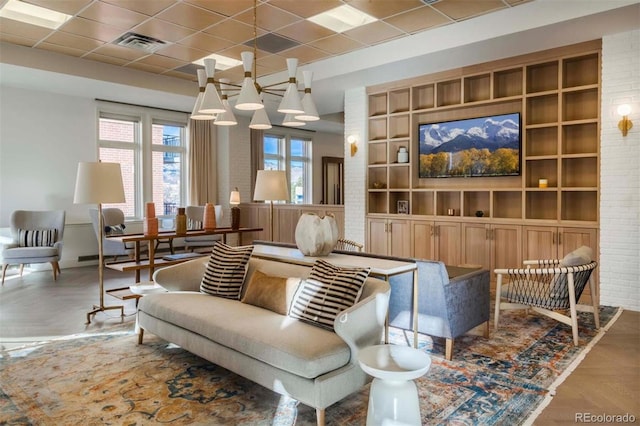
{"type": "Point", "coordinates": [620, 175]}
{"type": "Point", "coordinates": [355, 168]}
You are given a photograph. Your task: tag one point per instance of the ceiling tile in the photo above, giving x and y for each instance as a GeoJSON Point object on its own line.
{"type": "Point", "coordinates": [163, 30]}
{"type": "Point", "coordinates": [305, 54]}
{"type": "Point", "coordinates": [148, 7]}
{"type": "Point", "coordinates": [92, 29]}
{"type": "Point", "coordinates": [120, 52]}
{"type": "Point", "coordinates": [162, 61]}
{"type": "Point", "coordinates": [337, 44]}
{"type": "Point", "coordinates": [70, 7]}
{"type": "Point", "coordinates": [206, 42]}
{"type": "Point", "coordinates": [15, 28]}
{"type": "Point", "coordinates": [183, 53]}
{"type": "Point", "coordinates": [190, 16]}
{"type": "Point", "coordinates": [61, 49]}
{"type": "Point", "coordinates": [417, 20]}
{"type": "Point", "coordinates": [306, 9]}
{"type": "Point", "coordinates": [106, 59]}
{"type": "Point", "coordinates": [463, 9]}
{"type": "Point", "coordinates": [268, 17]}
{"type": "Point", "coordinates": [305, 31]}
{"type": "Point", "coordinates": [384, 8]}
{"type": "Point", "coordinates": [73, 41]}
{"type": "Point", "coordinates": [113, 15]}
{"type": "Point", "coordinates": [20, 41]}
{"type": "Point", "coordinates": [145, 67]}
{"type": "Point", "coordinates": [373, 33]}
{"type": "Point", "coordinates": [233, 30]}
{"type": "Point", "coordinates": [224, 7]}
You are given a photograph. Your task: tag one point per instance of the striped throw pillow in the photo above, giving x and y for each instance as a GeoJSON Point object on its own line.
{"type": "Point", "coordinates": [327, 291]}
{"type": "Point", "coordinates": [37, 237]}
{"type": "Point", "coordinates": [225, 271]}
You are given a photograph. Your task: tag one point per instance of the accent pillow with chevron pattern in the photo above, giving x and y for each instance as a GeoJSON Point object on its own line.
{"type": "Point", "coordinates": [225, 271]}
{"type": "Point", "coordinates": [327, 291]}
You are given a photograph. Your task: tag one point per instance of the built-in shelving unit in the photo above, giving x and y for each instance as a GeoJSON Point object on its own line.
{"type": "Point", "coordinates": [557, 93]}
{"type": "Point", "coordinates": [559, 104]}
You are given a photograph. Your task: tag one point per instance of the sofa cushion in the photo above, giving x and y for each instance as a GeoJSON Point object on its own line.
{"type": "Point", "coordinates": [37, 237]}
{"type": "Point", "coordinates": [277, 340]}
{"type": "Point", "coordinates": [329, 290]}
{"type": "Point", "coordinates": [270, 292]}
{"type": "Point", "coordinates": [225, 270]}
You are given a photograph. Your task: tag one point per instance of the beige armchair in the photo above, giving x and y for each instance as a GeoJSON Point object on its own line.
{"type": "Point", "coordinates": [195, 215]}
{"type": "Point", "coordinates": [113, 220]}
{"type": "Point", "coordinates": [547, 287]}
{"type": "Point", "coordinates": [36, 238]}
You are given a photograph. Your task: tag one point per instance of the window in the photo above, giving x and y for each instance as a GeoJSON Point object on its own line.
{"type": "Point", "coordinates": [150, 146]}
{"type": "Point", "coordinates": [291, 153]}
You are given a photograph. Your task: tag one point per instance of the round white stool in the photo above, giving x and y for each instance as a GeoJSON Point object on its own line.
{"type": "Point", "coordinates": [393, 398]}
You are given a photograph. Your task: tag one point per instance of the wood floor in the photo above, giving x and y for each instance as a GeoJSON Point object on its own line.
{"type": "Point", "coordinates": [34, 308]}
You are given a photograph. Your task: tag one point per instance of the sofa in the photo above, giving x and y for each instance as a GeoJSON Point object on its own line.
{"type": "Point", "coordinates": [451, 301]}
{"type": "Point", "coordinates": [311, 364]}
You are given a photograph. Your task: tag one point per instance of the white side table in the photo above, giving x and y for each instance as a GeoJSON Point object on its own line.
{"type": "Point", "coordinates": [393, 398]}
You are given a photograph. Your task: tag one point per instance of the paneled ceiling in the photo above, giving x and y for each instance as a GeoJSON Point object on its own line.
{"type": "Point", "coordinates": [193, 29]}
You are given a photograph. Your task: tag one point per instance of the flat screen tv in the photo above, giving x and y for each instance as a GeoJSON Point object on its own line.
{"type": "Point", "coordinates": [483, 146]}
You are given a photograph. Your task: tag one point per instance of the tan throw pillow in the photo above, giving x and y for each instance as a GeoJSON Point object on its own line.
{"type": "Point", "coordinates": [271, 292]}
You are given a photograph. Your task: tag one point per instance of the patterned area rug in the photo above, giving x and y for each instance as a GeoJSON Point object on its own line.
{"type": "Point", "coordinates": [107, 379]}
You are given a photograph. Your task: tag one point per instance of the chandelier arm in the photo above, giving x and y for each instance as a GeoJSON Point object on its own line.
{"type": "Point", "coordinates": [275, 84]}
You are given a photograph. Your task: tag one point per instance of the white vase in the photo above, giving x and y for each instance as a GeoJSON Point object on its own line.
{"type": "Point", "coordinates": [316, 236]}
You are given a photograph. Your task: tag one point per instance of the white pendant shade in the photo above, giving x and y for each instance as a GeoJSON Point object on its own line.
{"type": "Point", "coordinates": [290, 103]}
{"type": "Point", "coordinates": [211, 102]}
{"type": "Point", "coordinates": [291, 121]}
{"type": "Point", "coordinates": [310, 111]}
{"type": "Point", "coordinates": [226, 118]}
{"type": "Point", "coordinates": [260, 119]}
{"type": "Point", "coordinates": [196, 114]}
{"type": "Point", "coordinates": [249, 99]}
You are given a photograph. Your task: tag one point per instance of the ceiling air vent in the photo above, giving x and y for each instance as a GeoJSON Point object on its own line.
{"type": "Point", "coordinates": [140, 42]}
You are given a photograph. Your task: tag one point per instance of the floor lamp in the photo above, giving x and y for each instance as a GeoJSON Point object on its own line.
{"type": "Point", "coordinates": [98, 183]}
{"type": "Point", "coordinates": [271, 185]}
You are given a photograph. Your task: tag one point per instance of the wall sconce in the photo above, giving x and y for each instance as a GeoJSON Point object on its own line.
{"type": "Point", "coordinates": [625, 124]}
{"type": "Point", "coordinates": [353, 141]}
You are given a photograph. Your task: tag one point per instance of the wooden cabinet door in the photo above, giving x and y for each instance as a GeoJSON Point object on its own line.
{"type": "Point", "coordinates": [572, 238]}
{"type": "Point", "coordinates": [399, 238]}
{"type": "Point", "coordinates": [539, 242]}
{"type": "Point", "coordinates": [447, 242]}
{"type": "Point", "coordinates": [286, 222]}
{"type": "Point", "coordinates": [422, 239]}
{"type": "Point", "coordinates": [476, 245]}
{"type": "Point", "coordinates": [506, 246]}
{"type": "Point", "coordinates": [377, 238]}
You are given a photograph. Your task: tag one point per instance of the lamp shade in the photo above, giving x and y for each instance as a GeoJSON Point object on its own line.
{"type": "Point", "coordinates": [271, 185]}
{"type": "Point", "coordinates": [98, 183]}
{"type": "Point", "coordinates": [234, 199]}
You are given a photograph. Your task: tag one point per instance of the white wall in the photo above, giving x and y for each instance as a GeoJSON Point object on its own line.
{"type": "Point", "coordinates": [620, 175]}
{"type": "Point", "coordinates": [356, 109]}
{"type": "Point", "coordinates": [43, 136]}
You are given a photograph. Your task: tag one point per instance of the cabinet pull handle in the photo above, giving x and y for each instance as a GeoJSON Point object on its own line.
{"type": "Point", "coordinates": [553, 240]}
{"type": "Point", "coordinates": [487, 235]}
{"type": "Point", "coordinates": [431, 230]}
{"type": "Point", "coordinates": [559, 238]}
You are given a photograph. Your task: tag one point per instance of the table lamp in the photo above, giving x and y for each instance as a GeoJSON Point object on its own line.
{"type": "Point", "coordinates": [271, 185]}
{"type": "Point", "coordinates": [98, 183]}
{"type": "Point", "coordinates": [234, 200]}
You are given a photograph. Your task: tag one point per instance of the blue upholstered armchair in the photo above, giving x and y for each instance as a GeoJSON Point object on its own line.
{"type": "Point", "coordinates": [447, 307]}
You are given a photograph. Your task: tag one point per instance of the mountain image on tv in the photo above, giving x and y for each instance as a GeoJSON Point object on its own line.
{"type": "Point", "coordinates": [485, 146]}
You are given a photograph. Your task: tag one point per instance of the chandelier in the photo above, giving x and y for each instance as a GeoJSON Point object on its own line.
{"type": "Point", "coordinates": [210, 105]}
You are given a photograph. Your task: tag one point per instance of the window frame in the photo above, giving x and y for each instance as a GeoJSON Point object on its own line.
{"type": "Point", "coordinates": [285, 157]}
{"type": "Point", "coordinates": [143, 148]}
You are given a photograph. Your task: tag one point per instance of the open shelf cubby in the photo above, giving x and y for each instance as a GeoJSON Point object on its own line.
{"type": "Point", "coordinates": [399, 101]}
{"type": "Point", "coordinates": [423, 97]}
{"type": "Point", "coordinates": [422, 203]}
{"type": "Point", "coordinates": [446, 201]}
{"type": "Point", "coordinates": [477, 88]}
{"type": "Point", "coordinates": [449, 93]}
{"type": "Point", "coordinates": [542, 141]}
{"type": "Point", "coordinates": [580, 138]}
{"type": "Point", "coordinates": [580, 172]}
{"type": "Point", "coordinates": [580, 205]}
{"type": "Point", "coordinates": [507, 83]}
{"type": "Point", "coordinates": [542, 109]}
{"type": "Point", "coordinates": [377, 104]}
{"type": "Point", "coordinates": [542, 205]}
{"type": "Point", "coordinates": [542, 169]}
{"type": "Point", "coordinates": [542, 77]}
{"type": "Point", "coordinates": [476, 201]}
{"type": "Point", "coordinates": [580, 71]}
{"type": "Point", "coordinates": [507, 205]}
